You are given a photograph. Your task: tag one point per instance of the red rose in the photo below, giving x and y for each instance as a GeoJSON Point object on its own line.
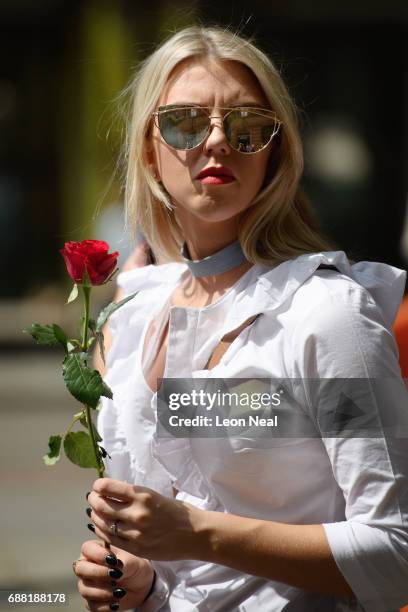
{"type": "Point", "coordinates": [91, 255]}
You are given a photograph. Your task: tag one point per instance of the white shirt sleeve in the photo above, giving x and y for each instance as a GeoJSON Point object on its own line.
{"type": "Point", "coordinates": [346, 338]}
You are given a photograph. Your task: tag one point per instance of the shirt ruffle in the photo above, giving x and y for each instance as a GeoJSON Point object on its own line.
{"type": "Point", "coordinates": [126, 422]}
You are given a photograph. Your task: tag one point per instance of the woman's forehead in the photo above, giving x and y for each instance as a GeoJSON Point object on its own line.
{"type": "Point", "coordinates": [201, 81]}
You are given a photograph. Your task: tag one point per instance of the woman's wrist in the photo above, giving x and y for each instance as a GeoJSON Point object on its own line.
{"type": "Point", "coordinates": [151, 586]}
{"type": "Point", "coordinates": [206, 534]}
{"type": "Point", "coordinates": [145, 579]}
{"type": "Point", "coordinates": [192, 536]}
{"type": "Point", "coordinates": [221, 533]}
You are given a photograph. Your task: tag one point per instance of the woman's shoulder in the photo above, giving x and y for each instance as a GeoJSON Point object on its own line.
{"type": "Point", "coordinates": [338, 322]}
{"type": "Point", "coordinates": [149, 287]}
{"type": "Point", "coordinates": [317, 286]}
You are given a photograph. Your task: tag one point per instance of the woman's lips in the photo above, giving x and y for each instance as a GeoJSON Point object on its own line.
{"type": "Point", "coordinates": [216, 175]}
{"type": "Point", "coordinates": [220, 179]}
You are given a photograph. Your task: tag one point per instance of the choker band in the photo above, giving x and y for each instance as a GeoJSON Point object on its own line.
{"type": "Point", "coordinates": [228, 258]}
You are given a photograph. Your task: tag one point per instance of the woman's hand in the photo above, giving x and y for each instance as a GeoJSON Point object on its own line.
{"type": "Point", "coordinates": [145, 523]}
{"type": "Point", "coordinates": [111, 580]}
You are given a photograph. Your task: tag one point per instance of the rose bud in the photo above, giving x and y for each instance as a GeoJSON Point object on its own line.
{"type": "Point", "coordinates": [92, 256]}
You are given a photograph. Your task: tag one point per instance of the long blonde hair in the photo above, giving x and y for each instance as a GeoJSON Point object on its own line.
{"type": "Point", "coordinates": [279, 224]}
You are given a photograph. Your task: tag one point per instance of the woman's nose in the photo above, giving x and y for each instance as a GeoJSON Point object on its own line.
{"type": "Point", "coordinates": [216, 141]}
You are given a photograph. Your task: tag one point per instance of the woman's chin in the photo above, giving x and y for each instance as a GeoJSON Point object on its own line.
{"type": "Point", "coordinates": [214, 213]}
{"type": "Point", "coordinates": [211, 209]}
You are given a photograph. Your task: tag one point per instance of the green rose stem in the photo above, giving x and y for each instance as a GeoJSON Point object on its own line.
{"type": "Point", "coordinates": [100, 465]}
{"type": "Point", "coordinates": [84, 383]}
{"type": "Point", "coordinates": [87, 295]}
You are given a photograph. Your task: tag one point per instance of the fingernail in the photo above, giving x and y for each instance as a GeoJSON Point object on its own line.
{"type": "Point", "coordinates": [111, 560]}
{"type": "Point", "coordinates": [119, 593]}
{"type": "Point", "coordinates": [88, 511]}
{"type": "Point", "coordinates": [87, 495]}
{"type": "Point", "coordinates": [114, 606]}
{"type": "Point", "coordinates": [91, 526]}
{"type": "Point", "coordinates": [115, 573]}
{"type": "Point", "coordinates": [120, 563]}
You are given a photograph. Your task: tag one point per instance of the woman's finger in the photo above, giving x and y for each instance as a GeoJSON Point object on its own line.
{"type": "Point", "coordinates": [93, 571]}
{"type": "Point", "coordinates": [89, 590]}
{"type": "Point", "coordinates": [125, 534]}
{"type": "Point", "coordinates": [108, 507]}
{"type": "Point", "coordinates": [117, 489]}
{"type": "Point", "coordinates": [95, 551]}
{"type": "Point", "coordinates": [124, 531]}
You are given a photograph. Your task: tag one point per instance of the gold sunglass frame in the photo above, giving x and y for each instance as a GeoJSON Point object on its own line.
{"type": "Point", "coordinates": [263, 112]}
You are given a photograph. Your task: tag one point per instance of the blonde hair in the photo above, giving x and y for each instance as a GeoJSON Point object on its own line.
{"type": "Point", "coordinates": [279, 224]}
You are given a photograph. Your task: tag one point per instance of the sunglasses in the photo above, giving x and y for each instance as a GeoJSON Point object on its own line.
{"type": "Point", "coordinates": [247, 130]}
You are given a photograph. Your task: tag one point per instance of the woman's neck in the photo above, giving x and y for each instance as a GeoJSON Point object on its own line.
{"type": "Point", "coordinates": [199, 292]}
{"type": "Point", "coordinates": [204, 239]}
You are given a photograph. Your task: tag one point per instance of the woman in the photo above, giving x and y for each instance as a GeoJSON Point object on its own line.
{"type": "Point", "coordinates": [313, 522]}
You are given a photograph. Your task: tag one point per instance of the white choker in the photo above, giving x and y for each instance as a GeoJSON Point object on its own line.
{"type": "Point", "coordinates": [228, 258]}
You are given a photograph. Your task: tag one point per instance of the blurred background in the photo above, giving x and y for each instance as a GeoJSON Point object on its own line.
{"type": "Point", "coordinates": [62, 65]}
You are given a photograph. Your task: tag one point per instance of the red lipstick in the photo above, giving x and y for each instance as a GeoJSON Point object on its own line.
{"type": "Point", "coordinates": [215, 175]}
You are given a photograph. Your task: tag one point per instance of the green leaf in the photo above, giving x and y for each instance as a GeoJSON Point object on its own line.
{"type": "Point", "coordinates": [100, 339]}
{"type": "Point", "coordinates": [78, 448]}
{"type": "Point", "coordinates": [73, 295]}
{"type": "Point", "coordinates": [110, 309]}
{"type": "Point", "coordinates": [84, 384]}
{"type": "Point", "coordinates": [92, 325]}
{"type": "Point", "coordinates": [83, 422]}
{"type": "Point", "coordinates": [53, 454]}
{"type": "Point", "coordinates": [47, 335]}
{"type": "Point", "coordinates": [60, 335]}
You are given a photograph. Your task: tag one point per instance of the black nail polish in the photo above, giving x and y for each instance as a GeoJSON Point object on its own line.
{"type": "Point", "coordinates": [115, 573]}
{"type": "Point", "coordinates": [87, 495]}
{"type": "Point", "coordinates": [91, 526]}
{"type": "Point", "coordinates": [120, 563]}
{"type": "Point", "coordinates": [114, 606]}
{"type": "Point", "coordinates": [119, 593]}
{"type": "Point", "coordinates": [111, 560]}
{"type": "Point", "coordinates": [88, 511]}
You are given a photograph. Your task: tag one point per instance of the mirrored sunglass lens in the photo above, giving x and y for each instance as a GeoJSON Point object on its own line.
{"type": "Point", "coordinates": [183, 128]}
{"type": "Point", "coordinates": [249, 132]}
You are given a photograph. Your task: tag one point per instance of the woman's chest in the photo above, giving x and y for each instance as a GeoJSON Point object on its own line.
{"type": "Point", "coordinates": [183, 342]}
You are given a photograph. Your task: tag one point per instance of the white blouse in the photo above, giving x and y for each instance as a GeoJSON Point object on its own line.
{"type": "Point", "coordinates": [313, 324]}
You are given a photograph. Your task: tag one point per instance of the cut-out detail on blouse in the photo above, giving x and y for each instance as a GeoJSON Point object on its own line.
{"type": "Point", "coordinates": [226, 342]}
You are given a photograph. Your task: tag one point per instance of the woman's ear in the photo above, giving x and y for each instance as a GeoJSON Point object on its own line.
{"type": "Point", "coordinates": [154, 172]}
{"type": "Point", "coordinates": [150, 159]}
